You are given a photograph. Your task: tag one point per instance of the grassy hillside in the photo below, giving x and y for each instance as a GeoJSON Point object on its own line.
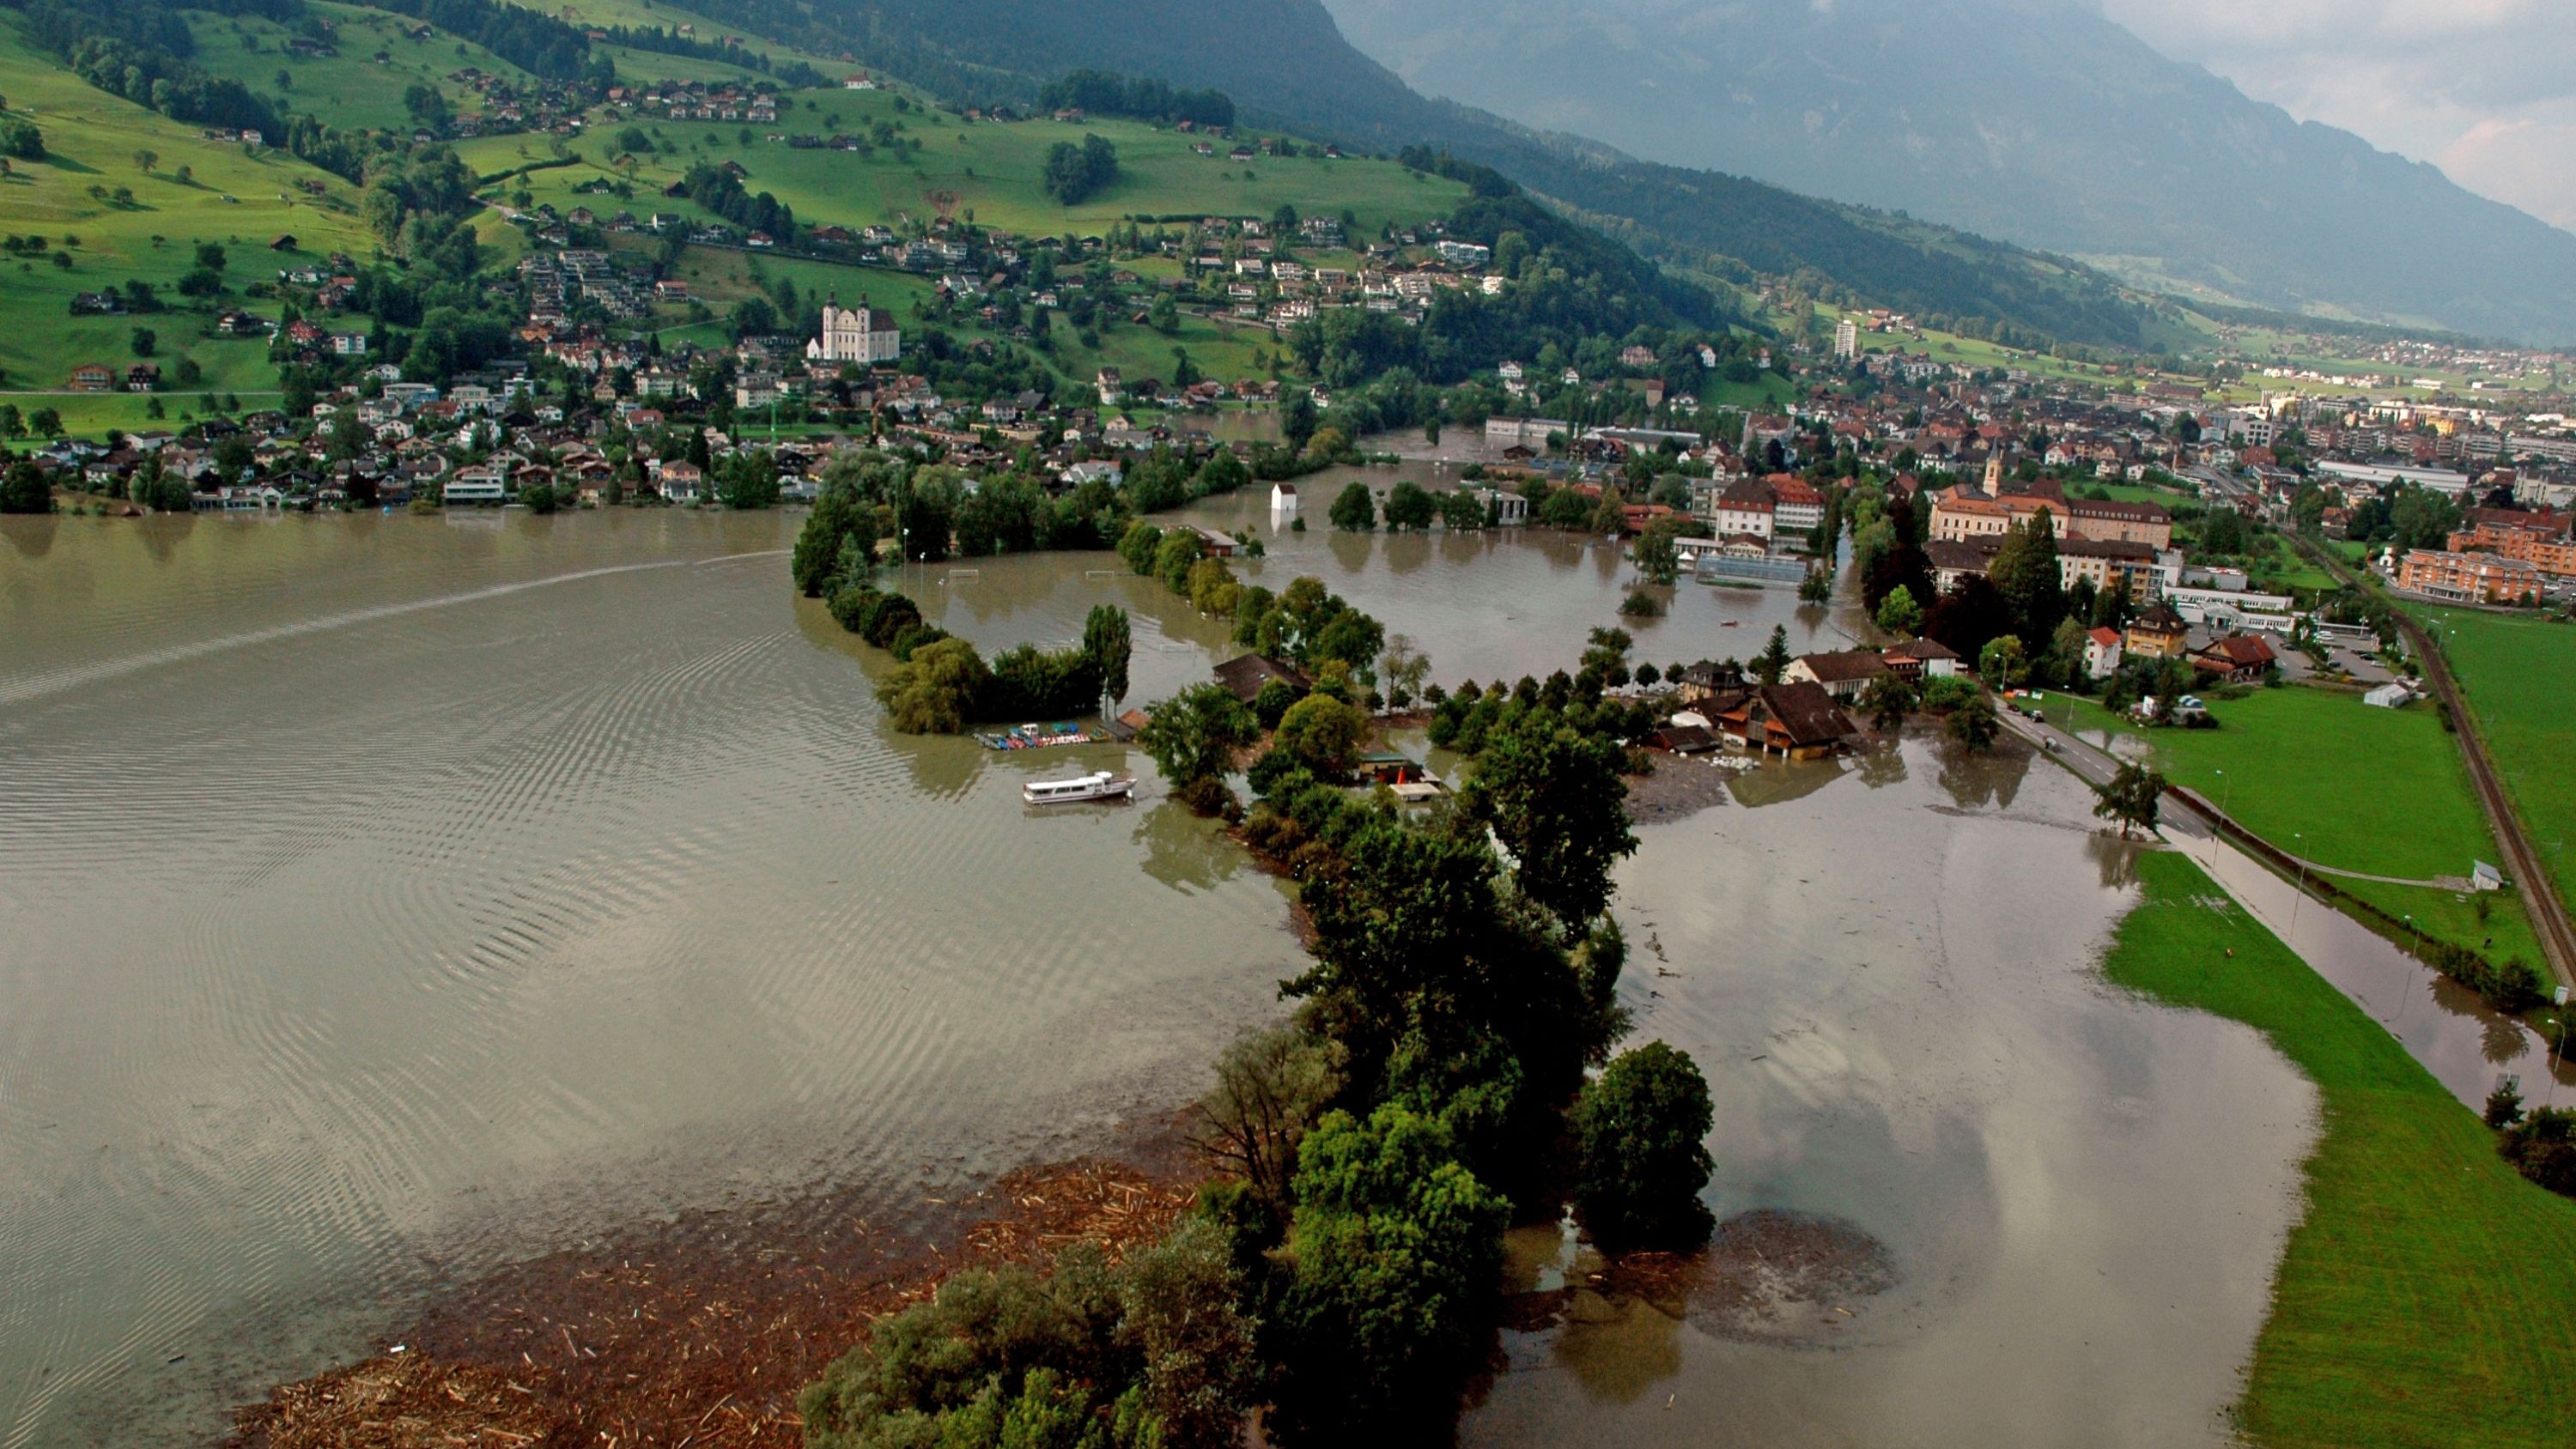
{"type": "Point", "coordinates": [992, 166]}
{"type": "Point", "coordinates": [2422, 1300]}
{"type": "Point", "coordinates": [352, 89]}
{"type": "Point", "coordinates": [229, 196]}
{"type": "Point", "coordinates": [1285, 63]}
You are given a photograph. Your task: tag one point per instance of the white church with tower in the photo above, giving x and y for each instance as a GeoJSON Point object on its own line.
{"type": "Point", "coordinates": [861, 334]}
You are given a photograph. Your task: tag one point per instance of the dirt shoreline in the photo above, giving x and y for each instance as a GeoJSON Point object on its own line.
{"type": "Point", "coordinates": [699, 1332]}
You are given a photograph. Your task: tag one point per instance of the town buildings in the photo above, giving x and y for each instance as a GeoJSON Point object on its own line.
{"type": "Point", "coordinates": [2471, 578]}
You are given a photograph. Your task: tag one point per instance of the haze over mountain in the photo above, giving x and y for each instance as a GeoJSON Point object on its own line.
{"type": "Point", "coordinates": [2037, 121]}
{"type": "Point", "coordinates": [1286, 63]}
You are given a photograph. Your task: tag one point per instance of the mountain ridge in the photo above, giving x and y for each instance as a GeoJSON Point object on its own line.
{"type": "Point", "coordinates": [1006, 48]}
{"type": "Point", "coordinates": [2036, 121]}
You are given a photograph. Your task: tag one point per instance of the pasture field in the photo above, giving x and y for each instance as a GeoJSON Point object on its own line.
{"type": "Point", "coordinates": [2421, 1302]}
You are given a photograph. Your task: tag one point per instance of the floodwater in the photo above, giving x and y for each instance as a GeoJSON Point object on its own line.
{"type": "Point", "coordinates": [384, 897]}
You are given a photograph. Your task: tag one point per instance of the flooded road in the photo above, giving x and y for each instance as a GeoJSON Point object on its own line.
{"type": "Point", "coordinates": [382, 898]}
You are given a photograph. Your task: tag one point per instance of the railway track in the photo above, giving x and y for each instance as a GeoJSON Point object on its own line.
{"type": "Point", "coordinates": [2539, 888]}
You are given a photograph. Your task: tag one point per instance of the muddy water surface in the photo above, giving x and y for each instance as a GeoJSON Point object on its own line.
{"type": "Point", "coordinates": [384, 897]}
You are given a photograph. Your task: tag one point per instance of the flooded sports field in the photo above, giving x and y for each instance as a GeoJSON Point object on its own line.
{"type": "Point", "coordinates": [383, 899]}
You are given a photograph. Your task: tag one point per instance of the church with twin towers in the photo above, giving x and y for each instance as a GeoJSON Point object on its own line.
{"type": "Point", "coordinates": [862, 334]}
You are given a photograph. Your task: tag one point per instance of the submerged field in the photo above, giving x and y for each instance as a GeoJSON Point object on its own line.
{"type": "Point", "coordinates": [2423, 1300]}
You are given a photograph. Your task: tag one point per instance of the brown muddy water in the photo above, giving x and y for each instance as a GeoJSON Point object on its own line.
{"type": "Point", "coordinates": [385, 898]}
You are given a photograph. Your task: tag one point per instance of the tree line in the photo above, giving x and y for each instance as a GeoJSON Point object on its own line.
{"type": "Point", "coordinates": [1447, 1072]}
{"type": "Point", "coordinates": [1102, 93]}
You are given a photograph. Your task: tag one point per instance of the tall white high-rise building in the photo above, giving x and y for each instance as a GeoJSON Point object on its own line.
{"type": "Point", "coordinates": [861, 334]}
{"type": "Point", "coordinates": [1846, 340]}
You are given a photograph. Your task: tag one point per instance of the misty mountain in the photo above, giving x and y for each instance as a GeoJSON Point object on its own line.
{"type": "Point", "coordinates": [1286, 64]}
{"type": "Point", "coordinates": [2038, 121]}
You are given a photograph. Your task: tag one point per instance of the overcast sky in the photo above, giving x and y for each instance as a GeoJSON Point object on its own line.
{"type": "Point", "coordinates": [2485, 89]}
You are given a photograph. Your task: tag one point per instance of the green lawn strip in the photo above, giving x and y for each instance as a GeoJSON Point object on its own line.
{"type": "Point", "coordinates": [2324, 776]}
{"type": "Point", "coordinates": [2519, 675]}
{"type": "Point", "coordinates": [2423, 1299]}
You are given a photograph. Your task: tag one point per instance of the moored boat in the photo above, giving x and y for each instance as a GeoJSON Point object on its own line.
{"type": "Point", "coordinates": [1100, 786]}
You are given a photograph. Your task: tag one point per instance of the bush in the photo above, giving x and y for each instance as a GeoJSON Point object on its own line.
{"type": "Point", "coordinates": [909, 642]}
{"type": "Point", "coordinates": [2511, 988]}
{"type": "Point", "coordinates": [1948, 692]}
{"type": "Point", "coordinates": [1151, 1352]}
{"type": "Point", "coordinates": [20, 140]}
{"type": "Point", "coordinates": [1207, 797]}
{"type": "Point", "coordinates": [1272, 702]}
{"type": "Point", "coordinates": [1641, 604]}
{"type": "Point", "coordinates": [1355, 511]}
{"type": "Point", "coordinates": [1642, 1127]}
{"type": "Point", "coordinates": [2542, 1147]}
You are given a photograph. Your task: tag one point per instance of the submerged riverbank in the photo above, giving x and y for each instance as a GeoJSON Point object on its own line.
{"type": "Point", "coordinates": [700, 1330]}
{"type": "Point", "coordinates": [503, 887]}
{"type": "Point", "coordinates": [2422, 1299]}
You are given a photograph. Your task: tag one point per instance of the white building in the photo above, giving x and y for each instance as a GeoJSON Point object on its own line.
{"type": "Point", "coordinates": [1846, 340]}
{"type": "Point", "coordinates": [861, 334]}
{"type": "Point", "coordinates": [1283, 498]}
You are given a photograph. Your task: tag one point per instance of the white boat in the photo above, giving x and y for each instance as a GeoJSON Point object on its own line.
{"type": "Point", "coordinates": [1102, 786]}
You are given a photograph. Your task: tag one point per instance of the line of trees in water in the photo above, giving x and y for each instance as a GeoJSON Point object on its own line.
{"type": "Point", "coordinates": [1446, 1073]}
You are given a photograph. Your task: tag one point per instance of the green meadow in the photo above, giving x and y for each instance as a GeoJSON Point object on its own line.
{"type": "Point", "coordinates": [2519, 674]}
{"type": "Point", "coordinates": [2422, 1300]}
{"type": "Point", "coordinates": [991, 168]}
{"type": "Point", "coordinates": [193, 190]}
{"type": "Point", "coordinates": [2330, 779]}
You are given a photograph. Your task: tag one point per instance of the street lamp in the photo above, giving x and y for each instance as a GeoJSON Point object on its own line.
{"type": "Point", "coordinates": [2299, 855]}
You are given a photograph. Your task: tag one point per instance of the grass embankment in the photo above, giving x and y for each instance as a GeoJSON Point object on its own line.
{"type": "Point", "coordinates": [239, 199]}
{"type": "Point", "coordinates": [2518, 672]}
{"type": "Point", "coordinates": [2330, 779]}
{"type": "Point", "coordinates": [2423, 1299]}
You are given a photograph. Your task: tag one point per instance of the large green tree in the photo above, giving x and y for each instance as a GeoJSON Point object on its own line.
{"type": "Point", "coordinates": [1642, 1129]}
{"type": "Point", "coordinates": [1554, 797]}
{"type": "Point", "coordinates": [1193, 735]}
{"type": "Point", "coordinates": [2130, 797]}
{"type": "Point", "coordinates": [1773, 661]}
{"type": "Point", "coordinates": [1355, 510]}
{"type": "Point", "coordinates": [23, 489]}
{"type": "Point", "coordinates": [1397, 1261]}
{"type": "Point", "coordinates": [933, 693]}
{"type": "Point", "coordinates": [2026, 573]}
{"type": "Point", "coordinates": [1409, 506]}
{"type": "Point", "coordinates": [1109, 641]}
{"type": "Point", "coordinates": [1323, 734]}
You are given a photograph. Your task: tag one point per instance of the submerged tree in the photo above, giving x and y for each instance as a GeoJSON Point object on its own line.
{"type": "Point", "coordinates": [1554, 797]}
{"type": "Point", "coordinates": [1642, 1127]}
{"type": "Point", "coordinates": [2130, 797]}
{"type": "Point", "coordinates": [1193, 735]}
{"type": "Point", "coordinates": [1108, 640]}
